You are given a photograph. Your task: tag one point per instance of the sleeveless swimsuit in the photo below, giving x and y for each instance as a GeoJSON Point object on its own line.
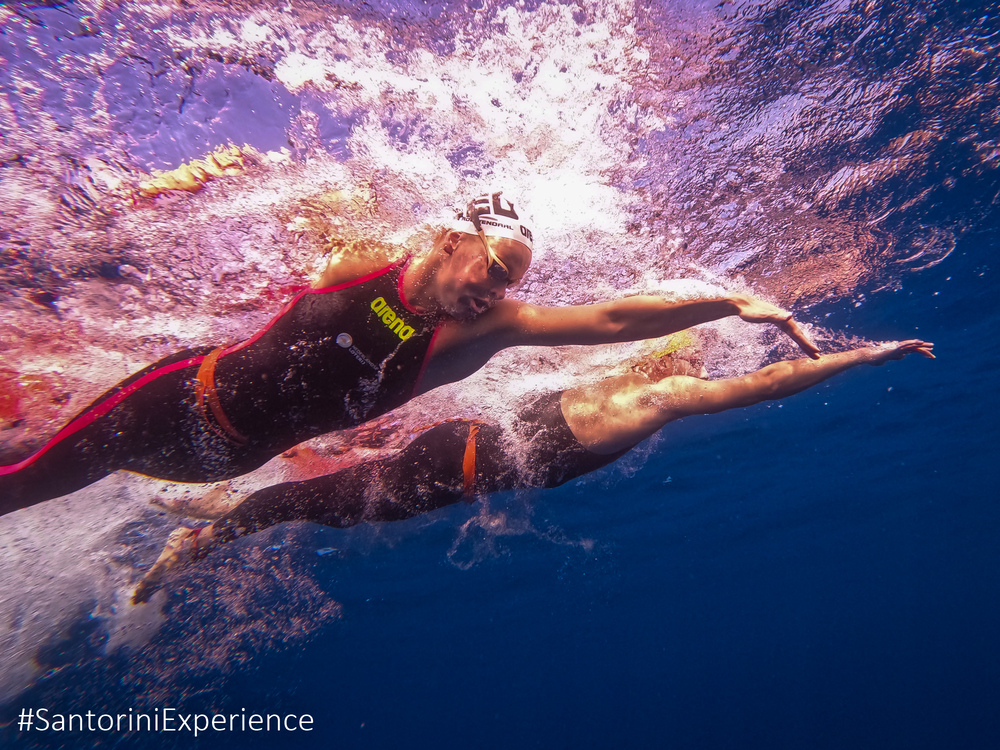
{"type": "Point", "coordinates": [332, 358]}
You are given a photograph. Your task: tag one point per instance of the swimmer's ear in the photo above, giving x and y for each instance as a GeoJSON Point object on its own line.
{"type": "Point", "coordinates": [451, 242]}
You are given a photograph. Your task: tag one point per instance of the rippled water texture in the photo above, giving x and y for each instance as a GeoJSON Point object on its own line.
{"type": "Point", "coordinates": [817, 153]}
{"type": "Point", "coordinates": [814, 151]}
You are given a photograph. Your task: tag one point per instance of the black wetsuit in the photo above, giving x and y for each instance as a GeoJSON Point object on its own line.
{"type": "Point", "coordinates": [331, 359]}
{"type": "Point", "coordinates": [428, 474]}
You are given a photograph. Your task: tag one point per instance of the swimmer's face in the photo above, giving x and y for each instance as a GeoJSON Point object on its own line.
{"type": "Point", "coordinates": [472, 281]}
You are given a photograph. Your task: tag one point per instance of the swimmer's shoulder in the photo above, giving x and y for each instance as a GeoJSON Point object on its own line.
{"type": "Point", "coordinates": [350, 260]}
{"type": "Point", "coordinates": [489, 331]}
{"type": "Point", "coordinates": [461, 347]}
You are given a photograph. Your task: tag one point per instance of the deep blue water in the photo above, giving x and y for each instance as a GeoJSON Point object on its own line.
{"type": "Point", "coordinates": [821, 574]}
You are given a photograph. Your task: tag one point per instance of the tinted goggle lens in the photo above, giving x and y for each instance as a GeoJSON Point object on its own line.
{"type": "Point", "coordinates": [496, 269]}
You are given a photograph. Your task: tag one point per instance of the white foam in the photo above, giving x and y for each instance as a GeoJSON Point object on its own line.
{"type": "Point", "coordinates": [61, 563]}
{"type": "Point", "coordinates": [296, 70]}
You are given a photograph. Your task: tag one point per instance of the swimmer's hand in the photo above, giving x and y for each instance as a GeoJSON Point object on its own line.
{"type": "Point", "coordinates": [899, 349]}
{"type": "Point", "coordinates": [754, 310]}
{"type": "Point", "coordinates": [183, 545]}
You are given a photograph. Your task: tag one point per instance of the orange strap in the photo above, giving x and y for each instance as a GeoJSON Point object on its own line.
{"type": "Point", "coordinates": [205, 390]}
{"type": "Point", "coordinates": [469, 460]}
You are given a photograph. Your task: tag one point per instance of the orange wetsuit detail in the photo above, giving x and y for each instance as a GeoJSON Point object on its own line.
{"type": "Point", "coordinates": [469, 461]}
{"type": "Point", "coordinates": [206, 393]}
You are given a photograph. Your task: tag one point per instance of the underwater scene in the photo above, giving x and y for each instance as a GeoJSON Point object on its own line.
{"type": "Point", "coordinates": [541, 541]}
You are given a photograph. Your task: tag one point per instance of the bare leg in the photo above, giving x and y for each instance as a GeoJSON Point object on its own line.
{"type": "Point", "coordinates": [619, 412]}
{"type": "Point", "coordinates": [183, 544]}
{"type": "Point", "coordinates": [213, 503]}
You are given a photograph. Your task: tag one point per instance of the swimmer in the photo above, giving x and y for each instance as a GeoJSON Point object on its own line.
{"type": "Point", "coordinates": [366, 338]}
{"type": "Point", "coordinates": [568, 434]}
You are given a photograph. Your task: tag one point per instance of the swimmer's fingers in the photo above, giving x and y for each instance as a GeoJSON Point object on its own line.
{"type": "Point", "coordinates": [754, 310]}
{"type": "Point", "coordinates": [900, 349]}
{"type": "Point", "coordinates": [799, 336]}
{"type": "Point", "coordinates": [784, 320]}
{"type": "Point", "coordinates": [916, 346]}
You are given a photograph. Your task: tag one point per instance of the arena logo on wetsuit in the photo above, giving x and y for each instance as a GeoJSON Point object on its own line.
{"type": "Point", "coordinates": [391, 319]}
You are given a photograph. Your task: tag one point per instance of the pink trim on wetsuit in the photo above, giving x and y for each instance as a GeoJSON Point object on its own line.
{"type": "Point", "coordinates": [291, 303]}
{"type": "Point", "coordinates": [89, 417]}
{"type": "Point", "coordinates": [427, 359]}
{"type": "Point", "coordinates": [415, 311]}
{"type": "Point", "coordinates": [402, 294]}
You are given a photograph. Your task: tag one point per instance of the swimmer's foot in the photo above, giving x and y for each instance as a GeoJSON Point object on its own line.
{"type": "Point", "coordinates": [183, 545]}
{"type": "Point", "coordinates": [681, 354]}
{"type": "Point", "coordinates": [212, 505]}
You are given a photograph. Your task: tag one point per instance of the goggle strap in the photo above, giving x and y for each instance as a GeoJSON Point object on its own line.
{"type": "Point", "coordinates": [491, 256]}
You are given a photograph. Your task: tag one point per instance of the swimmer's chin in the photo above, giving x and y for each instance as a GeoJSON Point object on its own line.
{"type": "Point", "coordinates": [470, 309]}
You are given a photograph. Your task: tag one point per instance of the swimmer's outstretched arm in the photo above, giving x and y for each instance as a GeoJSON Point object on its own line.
{"type": "Point", "coordinates": [642, 317]}
{"type": "Point", "coordinates": [620, 412]}
{"type": "Point", "coordinates": [607, 417]}
{"type": "Point", "coordinates": [461, 349]}
{"type": "Point", "coordinates": [780, 380]}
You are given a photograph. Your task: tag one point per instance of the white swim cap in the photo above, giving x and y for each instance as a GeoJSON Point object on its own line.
{"type": "Point", "coordinates": [495, 217]}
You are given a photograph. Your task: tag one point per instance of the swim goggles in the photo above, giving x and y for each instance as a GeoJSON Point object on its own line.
{"type": "Point", "coordinates": [495, 268]}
